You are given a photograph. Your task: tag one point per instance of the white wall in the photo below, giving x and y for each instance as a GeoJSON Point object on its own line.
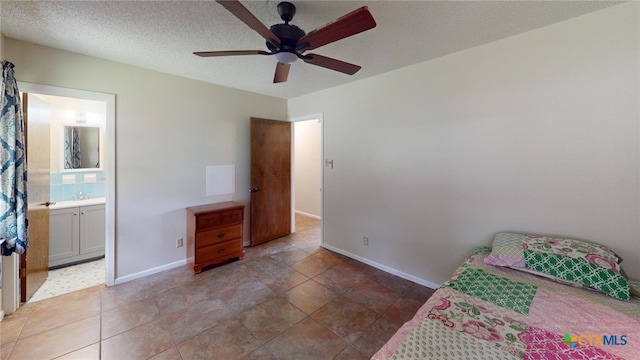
{"type": "Point", "coordinates": [534, 133]}
{"type": "Point", "coordinates": [168, 129]}
{"type": "Point", "coordinates": [66, 112]}
{"type": "Point", "coordinates": [307, 167]}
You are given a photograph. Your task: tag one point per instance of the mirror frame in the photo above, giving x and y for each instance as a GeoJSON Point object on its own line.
{"type": "Point", "coordinates": [100, 146]}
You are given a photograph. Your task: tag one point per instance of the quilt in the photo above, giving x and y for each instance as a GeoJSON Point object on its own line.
{"type": "Point", "coordinates": [489, 312]}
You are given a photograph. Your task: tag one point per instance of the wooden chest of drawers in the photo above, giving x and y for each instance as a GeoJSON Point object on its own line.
{"type": "Point", "coordinates": [214, 234]}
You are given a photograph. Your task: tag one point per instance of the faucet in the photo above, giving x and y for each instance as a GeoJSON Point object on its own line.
{"type": "Point", "coordinates": [80, 196]}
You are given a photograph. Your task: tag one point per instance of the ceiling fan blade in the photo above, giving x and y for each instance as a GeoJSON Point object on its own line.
{"type": "Point", "coordinates": [282, 72]}
{"type": "Point", "coordinates": [230, 53]}
{"type": "Point", "coordinates": [350, 24]}
{"type": "Point", "coordinates": [242, 13]}
{"type": "Point", "coordinates": [330, 63]}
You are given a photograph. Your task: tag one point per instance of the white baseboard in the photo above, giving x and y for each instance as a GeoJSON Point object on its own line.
{"type": "Point", "coordinates": [376, 265]}
{"type": "Point", "coordinates": [152, 271]}
{"type": "Point", "coordinates": [383, 267]}
{"type": "Point", "coordinates": [308, 215]}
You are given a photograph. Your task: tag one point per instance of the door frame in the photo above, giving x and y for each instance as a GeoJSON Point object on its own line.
{"type": "Point", "coordinates": [11, 294]}
{"type": "Point", "coordinates": [294, 120]}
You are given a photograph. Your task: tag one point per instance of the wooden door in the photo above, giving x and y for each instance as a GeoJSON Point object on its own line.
{"type": "Point", "coordinates": [34, 264]}
{"type": "Point", "coordinates": [270, 180]}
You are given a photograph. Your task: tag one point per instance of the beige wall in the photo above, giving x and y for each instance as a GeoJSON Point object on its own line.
{"type": "Point", "coordinates": [307, 167]}
{"type": "Point", "coordinates": [534, 133]}
{"type": "Point", "coordinates": [168, 129]}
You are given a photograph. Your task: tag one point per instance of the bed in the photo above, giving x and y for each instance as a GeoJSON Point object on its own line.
{"type": "Point", "coordinates": [500, 312]}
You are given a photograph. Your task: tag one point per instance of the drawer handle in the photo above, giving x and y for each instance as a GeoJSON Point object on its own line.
{"type": "Point", "coordinates": [221, 235]}
{"type": "Point", "coordinates": [210, 221]}
{"type": "Point", "coordinates": [220, 251]}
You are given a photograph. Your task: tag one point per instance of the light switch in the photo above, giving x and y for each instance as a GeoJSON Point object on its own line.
{"type": "Point", "coordinates": [328, 163]}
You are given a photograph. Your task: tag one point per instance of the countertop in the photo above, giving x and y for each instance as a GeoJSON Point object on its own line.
{"type": "Point", "coordinates": [75, 203]}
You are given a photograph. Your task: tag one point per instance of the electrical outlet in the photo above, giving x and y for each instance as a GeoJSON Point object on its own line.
{"type": "Point", "coordinates": [365, 241]}
{"type": "Point", "coordinates": [179, 242]}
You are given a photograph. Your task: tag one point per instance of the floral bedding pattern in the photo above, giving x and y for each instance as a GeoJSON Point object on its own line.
{"type": "Point", "coordinates": [573, 248]}
{"type": "Point", "coordinates": [488, 312]}
{"type": "Point", "coordinates": [480, 320]}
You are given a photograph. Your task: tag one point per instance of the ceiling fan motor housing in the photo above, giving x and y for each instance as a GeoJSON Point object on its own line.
{"type": "Point", "coordinates": [288, 35]}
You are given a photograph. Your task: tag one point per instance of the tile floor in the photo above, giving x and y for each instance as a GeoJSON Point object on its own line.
{"type": "Point", "coordinates": [71, 278]}
{"type": "Point", "coordinates": [287, 299]}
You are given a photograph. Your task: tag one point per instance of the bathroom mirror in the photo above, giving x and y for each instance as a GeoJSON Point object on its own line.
{"type": "Point", "coordinates": [81, 148]}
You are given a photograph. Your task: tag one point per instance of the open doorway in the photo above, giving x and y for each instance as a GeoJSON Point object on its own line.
{"type": "Point", "coordinates": [77, 194]}
{"type": "Point", "coordinates": [307, 171]}
{"type": "Point", "coordinates": [86, 185]}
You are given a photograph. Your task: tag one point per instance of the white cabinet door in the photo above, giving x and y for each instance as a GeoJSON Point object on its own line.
{"type": "Point", "coordinates": [76, 234]}
{"type": "Point", "coordinates": [92, 230]}
{"type": "Point", "coordinates": [64, 233]}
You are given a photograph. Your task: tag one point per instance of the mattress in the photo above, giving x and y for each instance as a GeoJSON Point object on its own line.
{"type": "Point", "coordinates": [489, 312]}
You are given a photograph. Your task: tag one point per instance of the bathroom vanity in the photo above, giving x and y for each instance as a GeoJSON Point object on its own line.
{"type": "Point", "coordinates": [76, 231]}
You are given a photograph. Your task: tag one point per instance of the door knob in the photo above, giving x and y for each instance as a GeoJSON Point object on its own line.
{"type": "Point", "coordinates": [48, 203]}
{"type": "Point", "coordinates": [254, 190]}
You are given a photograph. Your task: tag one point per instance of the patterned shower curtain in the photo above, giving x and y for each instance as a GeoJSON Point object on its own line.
{"type": "Point", "coordinates": [13, 167]}
{"type": "Point", "coordinates": [72, 154]}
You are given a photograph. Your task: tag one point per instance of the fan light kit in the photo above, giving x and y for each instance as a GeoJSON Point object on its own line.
{"type": "Point", "coordinates": [286, 57]}
{"type": "Point", "coordinates": [289, 43]}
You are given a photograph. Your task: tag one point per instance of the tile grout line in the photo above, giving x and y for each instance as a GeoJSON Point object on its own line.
{"type": "Point", "coordinates": [285, 251]}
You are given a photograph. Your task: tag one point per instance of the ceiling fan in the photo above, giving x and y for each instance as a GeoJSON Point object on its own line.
{"type": "Point", "coordinates": [289, 43]}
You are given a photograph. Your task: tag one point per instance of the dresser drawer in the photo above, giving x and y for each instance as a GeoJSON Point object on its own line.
{"type": "Point", "coordinates": [211, 220]}
{"type": "Point", "coordinates": [221, 234]}
{"type": "Point", "coordinates": [218, 250]}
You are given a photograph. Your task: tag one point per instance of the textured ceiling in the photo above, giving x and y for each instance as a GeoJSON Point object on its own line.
{"type": "Point", "coordinates": [161, 35]}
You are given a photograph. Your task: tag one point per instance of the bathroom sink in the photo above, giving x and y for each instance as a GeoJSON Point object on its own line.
{"type": "Point", "coordinates": [77, 203]}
